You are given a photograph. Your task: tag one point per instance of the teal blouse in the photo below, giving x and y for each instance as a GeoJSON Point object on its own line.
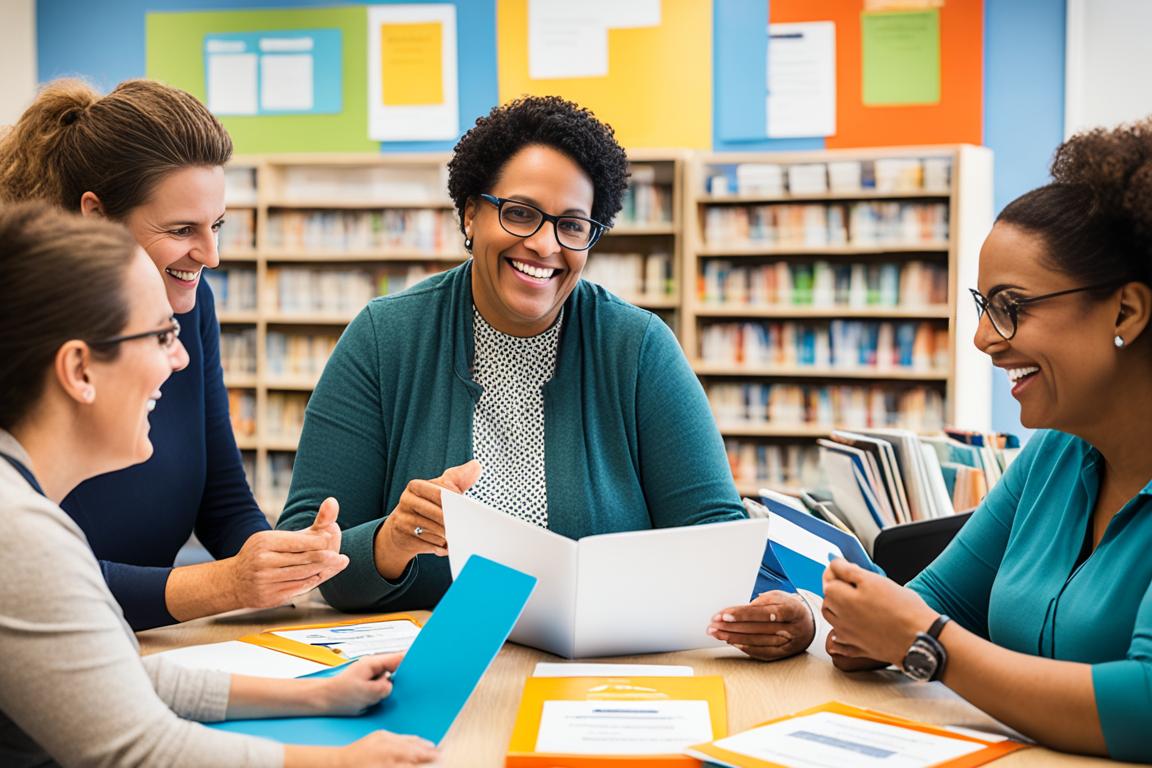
{"type": "Point", "coordinates": [1011, 576]}
{"type": "Point", "coordinates": [629, 439]}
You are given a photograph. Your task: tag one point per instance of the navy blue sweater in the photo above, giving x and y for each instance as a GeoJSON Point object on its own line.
{"type": "Point", "coordinates": [137, 519]}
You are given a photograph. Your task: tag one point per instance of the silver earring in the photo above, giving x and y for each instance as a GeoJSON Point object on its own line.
{"type": "Point", "coordinates": [89, 394]}
{"type": "Point", "coordinates": [468, 244]}
{"type": "Point", "coordinates": [1118, 342]}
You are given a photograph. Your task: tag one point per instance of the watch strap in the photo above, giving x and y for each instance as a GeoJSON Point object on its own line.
{"type": "Point", "coordinates": [938, 626]}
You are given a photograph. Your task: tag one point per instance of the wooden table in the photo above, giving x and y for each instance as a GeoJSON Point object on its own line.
{"type": "Point", "coordinates": [757, 691]}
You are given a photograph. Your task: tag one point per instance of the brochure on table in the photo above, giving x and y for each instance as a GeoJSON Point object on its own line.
{"type": "Point", "coordinates": [584, 721]}
{"type": "Point", "coordinates": [614, 594]}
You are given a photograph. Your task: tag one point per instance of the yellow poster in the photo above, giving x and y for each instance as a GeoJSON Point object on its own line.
{"type": "Point", "coordinates": [657, 75]}
{"type": "Point", "coordinates": [411, 64]}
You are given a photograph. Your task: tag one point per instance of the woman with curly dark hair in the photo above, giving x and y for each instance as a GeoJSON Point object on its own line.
{"type": "Point", "coordinates": [580, 407]}
{"type": "Point", "coordinates": [1049, 586]}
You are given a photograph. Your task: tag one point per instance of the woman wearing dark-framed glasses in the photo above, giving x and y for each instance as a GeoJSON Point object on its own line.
{"type": "Point", "coordinates": [1049, 585]}
{"type": "Point", "coordinates": [580, 408]}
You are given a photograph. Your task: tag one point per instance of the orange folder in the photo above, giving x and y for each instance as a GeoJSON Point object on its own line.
{"type": "Point", "coordinates": [991, 749]}
{"type": "Point", "coordinates": [537, 690]}
{"type": "Point", "coordinates": [267, 639]}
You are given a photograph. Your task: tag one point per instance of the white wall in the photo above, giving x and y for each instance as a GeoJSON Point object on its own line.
{"type": "Point", "coordinates": [17, 57]}
{"type": "Point", "coordinates": [1108, 63]}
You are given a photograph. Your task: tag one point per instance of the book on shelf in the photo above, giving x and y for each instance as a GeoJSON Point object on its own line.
{"type": "Point", "coordinates": [239, 186]}
{"type": "Point", "coordinates": [294, 355]}
{"type": "Point", "coordinates": [852, 406]}
{"type": "Point", "coordinates": [242, 411]}
{"type": "Point", "coordinates": [883, 477]}
{"type": "Point", "coordinates": [424, 230]}
{"type": "Point", "coordinates": [238, 234]}
{"type": "Point", "coordinates": [821, 225]}
{"type": "Point", "coordinates": [845, 345]}
{"type": "Point", "coordinates": [238, 351]}
{"type": "Point", "coordinates": [336, 290]}
{"type": "Point", "coordinates": [896, 175]}
{"type": "Point", "coordinates": [410, 184]}
{"type": "Point", "coordinates": [821, 284]}
{"type": "Point", "coordinates": [755, 463]}
{"type": "Point", "coordinates": [645, 201]}
{"type": "Point", "coordinates": [284, 415]}
{"type": "Point", "coordinates": [233, 288]}
{"type": "Point", "coordinates": [633, 276]}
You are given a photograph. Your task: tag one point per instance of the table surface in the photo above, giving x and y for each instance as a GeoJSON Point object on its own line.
{"type": "Point", "coordinates": [757, 691]}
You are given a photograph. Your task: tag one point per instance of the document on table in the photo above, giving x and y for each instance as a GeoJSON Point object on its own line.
{"type": "Point", "coordinates": [836, 734]}
{"type": "Point", "coordinates": [618, 593]}
{"type": "Point", "coordinates": [622, 727]}
{"type": "Point", "coordinates": [240, 658]}
{"type": "Point", "coordinates": [355, 640]}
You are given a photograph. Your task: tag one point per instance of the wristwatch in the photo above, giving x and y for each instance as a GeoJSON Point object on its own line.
{"type": "Point", "coordinates": [926, 658]}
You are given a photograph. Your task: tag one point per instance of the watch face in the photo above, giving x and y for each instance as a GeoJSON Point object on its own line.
{"type": "Point", "coordinates": [921, 661]}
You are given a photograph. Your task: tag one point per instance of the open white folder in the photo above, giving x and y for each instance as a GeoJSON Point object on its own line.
{"type": "Point", "coordinates": [617, 593]}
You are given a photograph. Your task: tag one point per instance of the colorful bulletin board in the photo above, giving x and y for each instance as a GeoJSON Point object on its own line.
{"type": "Point", "coordinates": [958, 115]}
{"type": "Point", "coordinates": [657, 91]}
{"type": "Point", "coordinates": [175, 55]}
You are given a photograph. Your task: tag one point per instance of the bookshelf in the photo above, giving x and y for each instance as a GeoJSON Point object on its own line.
{"type": "Point", "coordinates": [310, 239]}
{"type": "Point", "coordinates": [827, 290]}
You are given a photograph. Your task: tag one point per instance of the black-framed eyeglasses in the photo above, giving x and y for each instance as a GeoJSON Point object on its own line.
{"type": "Point", "coordinates": [1004, 310]}
{"type": "Point", "coordinates": [576, 233]}
{"type": "Point", "coordinates": [165, 336]}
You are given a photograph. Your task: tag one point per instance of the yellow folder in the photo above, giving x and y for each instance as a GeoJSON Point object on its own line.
{"type": "Point", "coordinates": [991, 749]}
{"type": "Point", "coordinates": [537, 690]}
{"type": "Point", "coordinates": [268, 638]}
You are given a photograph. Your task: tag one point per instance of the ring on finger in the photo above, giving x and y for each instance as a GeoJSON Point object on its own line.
{"type": "Point", "coordinates": [417, 531]}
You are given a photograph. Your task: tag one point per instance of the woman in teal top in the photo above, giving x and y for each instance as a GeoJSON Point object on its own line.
{"type": "Point", "coordinates": [581, 408]}
{"type": "Point", "coordinates": [1049, 585]}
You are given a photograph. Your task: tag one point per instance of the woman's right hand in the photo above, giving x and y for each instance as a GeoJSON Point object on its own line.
{"type": "Point", "coordinates": [384, 749]}
{"type": "Point", "coordinates": [416, 525]}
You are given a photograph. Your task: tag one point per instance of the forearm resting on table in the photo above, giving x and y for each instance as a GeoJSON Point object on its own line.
{"type": "Point", "coordinates": [257, 697]}
{"type": "Point", "coordinates": [204, 589]}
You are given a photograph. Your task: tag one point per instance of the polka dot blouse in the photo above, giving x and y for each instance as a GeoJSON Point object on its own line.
{"type": "Point", "coordinates": [508, 424]}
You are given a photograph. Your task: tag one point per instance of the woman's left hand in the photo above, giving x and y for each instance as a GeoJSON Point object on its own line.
{"type": "Point", "coordinates": [773, 626]}
{"type": "Point", "coordinates": [365, 682]}
{"type": "Point", "coordinates": [871, 616]}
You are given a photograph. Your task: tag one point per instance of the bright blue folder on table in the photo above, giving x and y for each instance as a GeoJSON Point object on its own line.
{"type": "Point", "coordinates": [439, 672]}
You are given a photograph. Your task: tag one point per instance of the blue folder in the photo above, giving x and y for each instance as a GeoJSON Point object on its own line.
{"type": "Point", "coordinates": [438, 673]}
{"type": "Point", "coordinates": [802, 571]}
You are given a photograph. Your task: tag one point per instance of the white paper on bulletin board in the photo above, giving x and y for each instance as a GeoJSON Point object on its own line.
{"type": "Point", "coordinates": [412, 74]}
{"type": "Point", "coordinates": [801, 79]}
{"type": "Point", "coordinates": [570, 39]}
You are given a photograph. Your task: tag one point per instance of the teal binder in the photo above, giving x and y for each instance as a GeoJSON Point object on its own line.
{"type": "Point", "coordinates": [439, 672]}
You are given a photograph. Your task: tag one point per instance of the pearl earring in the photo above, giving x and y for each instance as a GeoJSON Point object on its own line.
{"type": "Point", "coordinates": [468, 244]}
{"type": "Point", "coordinates": [89, 395]}
{"type": "Point", "coordinates": [1118, 342]}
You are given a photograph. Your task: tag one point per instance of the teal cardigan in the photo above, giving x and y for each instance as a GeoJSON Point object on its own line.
{"type": "Point", "coordinates": [1010, 576]}
{"type": "Point", "coordinates": [630, 442]}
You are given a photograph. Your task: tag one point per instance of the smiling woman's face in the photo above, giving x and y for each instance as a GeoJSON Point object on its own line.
{"type": "Point", "coordinates": [1061, 361]}
{"type": "Point", "coordinates": [178, 228]}
{"type": "Point", "coordinates": [519, 284]}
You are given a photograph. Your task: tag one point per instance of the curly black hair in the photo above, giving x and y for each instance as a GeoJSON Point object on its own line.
{"type": "Point", "coordinates": [550, 121]}
{"type": "Point", "coordinates": [1095, 217]}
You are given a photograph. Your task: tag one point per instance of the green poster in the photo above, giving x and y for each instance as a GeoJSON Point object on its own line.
{"type": "Point", "coordinates": [901, 54]}
{"type": "Point", "coordinates": [175, 55]}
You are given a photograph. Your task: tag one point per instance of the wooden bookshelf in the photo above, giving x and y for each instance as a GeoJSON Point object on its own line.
{"type": "Point", "coordinates": [278, 208]}
{"type": "Point", "coordinates": [741, 224]}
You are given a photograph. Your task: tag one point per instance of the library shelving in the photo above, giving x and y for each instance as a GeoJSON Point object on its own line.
{"type": "Point", "coordinates": [310, 239]}
{"type": "Point", "coordinates": [827, 289]}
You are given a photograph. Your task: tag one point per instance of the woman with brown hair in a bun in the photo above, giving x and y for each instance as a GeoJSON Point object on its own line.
{"type": "Point", "coordinates": [151, 157]}
{"type": "Point", "coordinates": [1049, 585]}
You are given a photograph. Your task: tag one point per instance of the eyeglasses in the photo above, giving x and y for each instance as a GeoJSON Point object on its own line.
{"type": "Point", "coordinates": [575, 233]}
{"type": "Point", "coordinates": [1004, 310]}
{"type": "Point", "coordinates": [165, 336]}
